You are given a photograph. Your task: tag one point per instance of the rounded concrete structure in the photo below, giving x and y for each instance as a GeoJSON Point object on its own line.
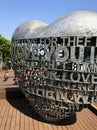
{"type": "Point", "coordinates": [79, 23]}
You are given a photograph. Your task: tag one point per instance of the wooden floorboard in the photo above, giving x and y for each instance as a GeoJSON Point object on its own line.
{"type": "Point", "coordinates": [9, 119]}
{"type": "Point", "coordinates": [5, 115]}
{"type": "Point", "coordinates": [16, 114]}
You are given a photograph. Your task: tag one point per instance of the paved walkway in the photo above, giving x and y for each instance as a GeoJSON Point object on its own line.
{"type": "Point", "coordinates": [9, 83]}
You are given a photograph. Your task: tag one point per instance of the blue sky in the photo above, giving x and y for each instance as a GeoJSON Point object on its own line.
{"type": "Point", "coordinates": [15, 12]}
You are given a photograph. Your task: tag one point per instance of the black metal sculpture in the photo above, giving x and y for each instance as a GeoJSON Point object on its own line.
{"type": "Point", "coordinates": [58, 74]}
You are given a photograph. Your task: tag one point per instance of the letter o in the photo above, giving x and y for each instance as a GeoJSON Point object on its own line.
{"type": "Point", "coordinates": [72, 77]}
{"type": "Point", "coordinates": [66, 53]}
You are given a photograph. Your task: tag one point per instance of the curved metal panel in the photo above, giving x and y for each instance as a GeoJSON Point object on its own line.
{"type": "Point", "coordinates": [79, 23]}
{"type": "Point", "coordinates": [28, 29]}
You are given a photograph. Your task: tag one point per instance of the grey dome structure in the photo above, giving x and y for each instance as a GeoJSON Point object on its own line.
{"type": "Point", "coordinates": [28, 29]}
{"type": "Point", "coordinates": [79, 23]}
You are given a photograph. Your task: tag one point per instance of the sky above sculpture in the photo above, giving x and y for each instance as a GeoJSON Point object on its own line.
{"type": "Point", "coordinates": [13, 13]}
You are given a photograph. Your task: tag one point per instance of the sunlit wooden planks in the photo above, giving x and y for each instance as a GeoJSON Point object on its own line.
{"type": "Point", "coordinates": [16, 114]}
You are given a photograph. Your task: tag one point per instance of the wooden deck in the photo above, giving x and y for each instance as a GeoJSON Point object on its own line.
{"type": "Point", "coordinates": [17, 114]}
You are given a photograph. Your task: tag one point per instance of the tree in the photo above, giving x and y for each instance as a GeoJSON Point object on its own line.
{"type": "Point", "coordinates": [5, 49]}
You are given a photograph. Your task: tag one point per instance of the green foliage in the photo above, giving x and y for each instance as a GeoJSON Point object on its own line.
{"type": "Point", "coordinates": [5, 50]}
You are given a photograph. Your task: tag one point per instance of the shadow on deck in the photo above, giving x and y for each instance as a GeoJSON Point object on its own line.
{"type": "Point", "coordinates": [17, 99]}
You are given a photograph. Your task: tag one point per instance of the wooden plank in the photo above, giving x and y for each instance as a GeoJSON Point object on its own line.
{"type": "Point", "coordinates": [55, 127]}
{"type": "Point", "coordinates": [74, 122]}
{"type": "Point", "coordinates": [69, 127]}
{"type": "Point", "coordinates": [87, 117]}
{"type": "Point", "coordinates": [67, 122]}
{"type": "Point", "coordinates": [5, 116]}
{"type": "Point", "coordinates": [9, 118]}
{"type": "Point", "coordinates": [41, 126]}
{"type": "Point", "coordinates": [22, 116]}
{"type": "Point", "coordinates": [45, 126]}
{"type": "Point", "coordinates": [17, 115]}
{"type": "Point", "coordinates": [94, 105]}
{"type": "Point", "coordinates": [12, 126]}
{"type": "Point", "coordinates": [91, 117]}
{"type": "Point", "coordinates": [35, 125]}
{"type": "Point", "coordinates": [48, 126]}
{"type": "Point", "coordinates": [2, 94]}
{"type": "Point", "coordinates": [26, 119]}
{"type": "Point", "coordinates": [75, 126]}
{"type": "Point", "coordinates": [2, 111]}
{"type": "Point", "coordinates": [80, 124]}
{"type": "Point", "coordinates": [84, 122]}
{"type": "Point", "coordinates": [64, 127]}
{"type": "Point", "coordinates": [30, 119]}
{"type": "Point", "coordinates": [35, 119]}
{"type": "Point", "coordinates": [17, 123]}
{"type": "Point", "coordinates": [26, 123]}
{"type": "Point", "coordinates": [31, 123]}
{"type": "Point", "coordinates": [2, 102]}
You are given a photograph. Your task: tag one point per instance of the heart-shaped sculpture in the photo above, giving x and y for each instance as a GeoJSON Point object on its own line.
{"type": "Point", "coordinates": [56, 64]}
